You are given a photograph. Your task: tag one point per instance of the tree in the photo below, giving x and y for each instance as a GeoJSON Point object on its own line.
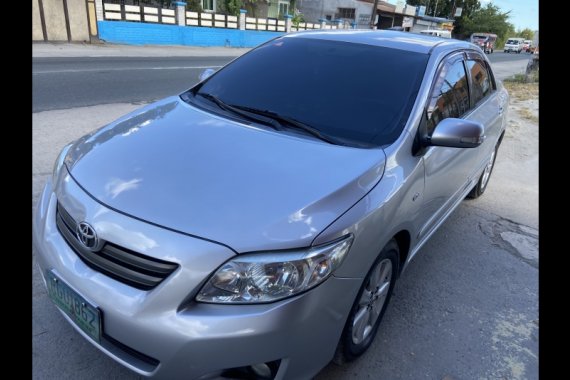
{"type": "Point", "coordinates": [230, 7]}
{"type": "Point", "coordinates": [194, 5]}
{"type": "Point", "coordinates": [489, 19]}
{"type": "Point", "coordinates": [526, 33]}
{"type": "Point", "coordinates": [251, 6]}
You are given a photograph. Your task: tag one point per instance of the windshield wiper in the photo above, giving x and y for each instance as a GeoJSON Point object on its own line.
{"type": "Point", "coordinates": [291, 122]}
{"type": "Point", "coordinates": [249, 115]}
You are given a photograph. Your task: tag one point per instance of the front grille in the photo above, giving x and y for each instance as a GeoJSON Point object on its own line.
{"type": "Point", "coordinates": [124, 265]}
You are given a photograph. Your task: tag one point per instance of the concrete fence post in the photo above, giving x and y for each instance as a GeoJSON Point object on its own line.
{"type": "Point", "coordinates": [288, 22]}
{"type": "Point", "coordinates": [242, 13]}
{"type": "Point", "coordinates": [323, 22]}
{"type": "Point", "coordinates": [99, 10]}
{"type": "Point", "coordinates": [180, 13]}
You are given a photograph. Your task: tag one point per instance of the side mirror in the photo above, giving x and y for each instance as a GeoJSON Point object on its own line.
{"type": "Point", "coordinates": [458, 133]}
{"type": "Point", "coordinates": [206, 73]}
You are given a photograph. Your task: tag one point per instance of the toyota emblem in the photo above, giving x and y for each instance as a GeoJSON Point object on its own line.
{"type": "Point", "coordinates": [86, 235]}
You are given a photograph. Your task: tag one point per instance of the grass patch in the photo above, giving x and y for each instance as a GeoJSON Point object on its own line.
{"type": "Point", "coordinates": [530, 76]}
{"type": "Point", "coordinates": [521, 91]}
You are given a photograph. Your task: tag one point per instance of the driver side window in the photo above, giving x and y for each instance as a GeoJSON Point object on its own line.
{"type": "Point", "coordinates": [450, 96]}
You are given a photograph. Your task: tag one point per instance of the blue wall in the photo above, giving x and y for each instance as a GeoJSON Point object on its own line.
{"type": "Point", "coordinates": [136, 33]}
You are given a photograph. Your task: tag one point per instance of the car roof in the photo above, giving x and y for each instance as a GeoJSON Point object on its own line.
{"type": "Point", "coordinates": [419, 43]}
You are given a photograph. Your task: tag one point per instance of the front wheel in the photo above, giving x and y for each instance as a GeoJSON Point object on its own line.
{"type": "Point", "coordinates": [369, 306]}
{"type": "Point", "coordinates": [479, 189]}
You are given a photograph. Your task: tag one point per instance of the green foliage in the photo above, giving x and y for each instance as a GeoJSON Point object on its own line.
{"type": "Point", "coordinates": [194, 5]}
{"type": "Point", "coordinates": [530, 77]}
{"type": "Point", "coordinates": [298, 18]}
{"type": "Point", "coordinates": [229, 7]}
{"type": "Point", "coordinates": [526, 33]}
{"type": "Point", "coordinates": [489, 20]}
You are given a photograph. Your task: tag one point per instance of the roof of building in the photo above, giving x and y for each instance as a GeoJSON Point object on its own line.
{"type": "Point", "coordinates": [385, 38]}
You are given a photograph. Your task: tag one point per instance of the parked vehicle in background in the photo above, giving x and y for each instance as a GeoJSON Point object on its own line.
{"type": "Point", "coordinates": [486, 41]}
{"type": "Point", "coordinates": [527, 46]}
{"type": "Point", "coordinates": [513, 45]}
{"type": "Point", "coordinates": [437, 33]}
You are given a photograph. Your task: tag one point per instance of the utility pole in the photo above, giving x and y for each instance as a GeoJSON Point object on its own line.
{"type": "Point", "coordinates": [435, 9]}
{"type": "Point", "coordinates": [373, 15]}
{"type": "Point", "coordinates": [452, 11]}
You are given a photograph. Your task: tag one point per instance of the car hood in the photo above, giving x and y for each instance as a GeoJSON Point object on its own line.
{"type": "Point", "coordinates": [252, 189]}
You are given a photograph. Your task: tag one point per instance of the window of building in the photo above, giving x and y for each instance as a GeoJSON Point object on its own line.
{"type": "Point", "coordinates": [283, 9]}
{"type": "Point", "coordinates": [481, 82]}
{"type": "Point", "coordinates": [209, 5]}
{"type": "Point", "coordinates": [346, 13]}
{"type": "Point", "coordinates": [450, 97]}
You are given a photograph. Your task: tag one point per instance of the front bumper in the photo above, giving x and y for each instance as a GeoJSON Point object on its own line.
{"type": "Point", "coordinates": [163, 333]}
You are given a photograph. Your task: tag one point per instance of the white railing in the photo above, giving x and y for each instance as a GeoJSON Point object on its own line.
{"type": "Point", "coordinates": [181, 17]}
{"type": "Point", "coordinates": [211, 20]}
{"type": "Point", "coordinates": [139, 13]}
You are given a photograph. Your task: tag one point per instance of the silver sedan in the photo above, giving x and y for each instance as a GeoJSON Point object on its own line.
{"type": "Point", "coordinates": [254, 226]}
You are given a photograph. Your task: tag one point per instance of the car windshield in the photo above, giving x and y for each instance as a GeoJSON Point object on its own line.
{"type": "Point", "coordinates": [513, 42]}
{"type": "Point", "coordinates": [355, 93]}
{"type": "Point", "coordinates": [479, 37]}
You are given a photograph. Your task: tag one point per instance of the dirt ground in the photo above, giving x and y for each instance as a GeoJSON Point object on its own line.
{"type": "Point", "coordinates": [515, 176]}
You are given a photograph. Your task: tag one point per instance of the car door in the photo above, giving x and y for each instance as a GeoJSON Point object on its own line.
{"type": "Point", "coordinates": [487, 105]}
{"type": "Point", "coordinates": [449, 172]}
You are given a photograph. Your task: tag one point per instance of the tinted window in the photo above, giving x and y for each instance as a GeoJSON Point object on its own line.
{"type": "Point", "coordinates": [356, 92]}
{"type": "Point", "coordinates": [480, 82]}
{"type": "Point", "coordinates": [450, 97]}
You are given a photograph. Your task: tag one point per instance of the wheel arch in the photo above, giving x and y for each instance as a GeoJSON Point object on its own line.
{"type": "Point", "coordinates": [403, 240]}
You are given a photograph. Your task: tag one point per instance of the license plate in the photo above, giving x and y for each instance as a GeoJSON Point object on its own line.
{"type": "Point", "coordinates": [86, 316]}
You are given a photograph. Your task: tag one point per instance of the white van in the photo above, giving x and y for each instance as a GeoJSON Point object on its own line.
{"type": "Point", "coordinates": [513, 44]}
{"type": "Point", "coordinates": [437, 32]}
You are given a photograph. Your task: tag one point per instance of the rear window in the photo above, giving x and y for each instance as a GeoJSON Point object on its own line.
{"type": "Point", "coordinates": [357, 93]}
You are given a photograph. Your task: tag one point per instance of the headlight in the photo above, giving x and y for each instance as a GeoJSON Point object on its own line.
{"type": "Point", "coordinates": [268, 277]}
{"type": "Point", "coordinates": [59, 163]}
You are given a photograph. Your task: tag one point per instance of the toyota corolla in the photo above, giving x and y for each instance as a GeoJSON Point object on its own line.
{"type": "Point", "coordinates": [255, 225]}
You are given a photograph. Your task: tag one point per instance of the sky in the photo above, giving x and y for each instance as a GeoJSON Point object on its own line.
{"type": "Point", "coordinates": [524, 13]}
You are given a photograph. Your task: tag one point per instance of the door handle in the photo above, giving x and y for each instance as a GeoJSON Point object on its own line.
{"type": "Point", "coordinates": [501, 109]}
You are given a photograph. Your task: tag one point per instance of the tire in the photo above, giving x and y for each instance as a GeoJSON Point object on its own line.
{"type": "Point", "coordinates": [504, 51]}
{"type": "Point", "coordinates": [481, 185]}
{"type": "Point", "coordinates": [369, 306]}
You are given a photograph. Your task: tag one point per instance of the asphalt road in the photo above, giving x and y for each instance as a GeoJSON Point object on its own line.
{"type": "Point", "coordinates": [466, 308]}
{"type": "Point", "coordinates": [60, 83]}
